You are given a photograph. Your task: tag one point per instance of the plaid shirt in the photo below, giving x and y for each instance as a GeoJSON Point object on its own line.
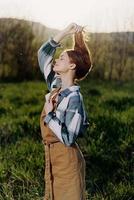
{"type": "Point", "coordinates": [69, 121]}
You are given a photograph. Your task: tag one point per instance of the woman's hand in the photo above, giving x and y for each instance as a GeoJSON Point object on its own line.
{"type": "Point", "coordinates": [50, 103]}
{"type": "Point", "coordinates": [73, 28]}
{"type": "Point", "coordinates": [70, 29]}
{"type": "Point", "coordinates": [48, 106]}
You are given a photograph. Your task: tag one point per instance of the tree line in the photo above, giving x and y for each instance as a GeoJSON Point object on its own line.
{"type": "Point", "coordinates": [112, 53]}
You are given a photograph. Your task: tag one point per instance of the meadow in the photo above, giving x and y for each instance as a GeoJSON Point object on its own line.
{"type": "Point", "coordinates": [107, 144]}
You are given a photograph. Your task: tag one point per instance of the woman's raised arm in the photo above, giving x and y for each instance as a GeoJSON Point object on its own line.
{"type": "Point", "coordinates": [47, 51]}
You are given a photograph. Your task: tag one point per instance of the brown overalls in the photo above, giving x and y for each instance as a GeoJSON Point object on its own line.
{"type": "Point", "coordinates": [64, 167]}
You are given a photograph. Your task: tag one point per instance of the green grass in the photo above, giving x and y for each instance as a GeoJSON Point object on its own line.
{"type": "Point", "coordinates": [107, 145]}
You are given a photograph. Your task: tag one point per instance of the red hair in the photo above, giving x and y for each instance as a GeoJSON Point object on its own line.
{"type": "Point", "coordinates": [80, 55]}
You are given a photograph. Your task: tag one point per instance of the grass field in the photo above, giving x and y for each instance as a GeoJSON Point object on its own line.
{"type": "Point", "coordinates": [107, 145]}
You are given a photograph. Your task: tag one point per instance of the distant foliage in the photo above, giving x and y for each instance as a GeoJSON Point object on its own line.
{"type": "Point", "coordinates": [18, 51]}
{"type": "Point", "coordinates": [112, 53]}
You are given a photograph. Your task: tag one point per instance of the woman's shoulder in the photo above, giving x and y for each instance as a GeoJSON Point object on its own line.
{"type": "Point", "coordinates": [75, 96]}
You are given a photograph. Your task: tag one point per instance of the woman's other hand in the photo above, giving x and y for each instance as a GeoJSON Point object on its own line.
{"type": "Point", "coordinates": [48, 106]}
{"type": "Point", "coordinates": [51, 102]}
{"type": "Point", "coordinates": [70, 29]}
{"type": "Point", "coordinates": [73, 28]}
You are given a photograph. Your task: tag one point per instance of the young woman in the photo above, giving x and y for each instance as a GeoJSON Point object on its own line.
{"type": "Point", "coordinates": [63, 118]}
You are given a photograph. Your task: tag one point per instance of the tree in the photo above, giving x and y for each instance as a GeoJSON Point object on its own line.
{"type": "Point", "coordinates": [19, 51]}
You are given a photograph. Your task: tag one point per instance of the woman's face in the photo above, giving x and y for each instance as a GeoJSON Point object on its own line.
{"type": "Point", "coordinates": [62, 64]}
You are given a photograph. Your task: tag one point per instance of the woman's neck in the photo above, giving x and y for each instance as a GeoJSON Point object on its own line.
{"type": "Point", "coordinates": [66, 82]}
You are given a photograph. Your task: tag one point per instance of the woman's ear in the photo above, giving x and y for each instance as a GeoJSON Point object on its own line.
{"type": "Point", "coordinates": [72, 66]}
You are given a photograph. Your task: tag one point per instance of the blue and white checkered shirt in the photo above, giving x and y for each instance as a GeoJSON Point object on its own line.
{"type": "Point", "coordinates": [69, 121]}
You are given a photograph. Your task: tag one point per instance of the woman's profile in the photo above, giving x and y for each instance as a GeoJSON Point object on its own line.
{"type": "Point", "coordinates": [63, 118]}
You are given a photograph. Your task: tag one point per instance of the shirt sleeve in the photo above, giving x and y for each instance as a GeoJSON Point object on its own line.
{"type": "Point", "coordinates": [45, 59]}
{"type": "Point", "coordinates": [73, 122]}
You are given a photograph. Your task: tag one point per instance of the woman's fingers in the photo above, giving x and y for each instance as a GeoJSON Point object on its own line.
{"type": "Point", "coordinates": [74, 28]}
{"type": "Point", "coordinates": [78, 28]}
{"type": "Point", "coordinates": [48, 106]}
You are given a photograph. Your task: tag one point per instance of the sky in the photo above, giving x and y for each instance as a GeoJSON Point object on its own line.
{"type": "Point", "coordinates": [96, 15]}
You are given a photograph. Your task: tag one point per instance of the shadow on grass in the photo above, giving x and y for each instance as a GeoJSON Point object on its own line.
{"type": "Point", "coordinates": [119, 104]}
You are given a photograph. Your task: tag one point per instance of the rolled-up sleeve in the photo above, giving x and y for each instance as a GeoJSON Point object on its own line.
{"type": "Point", "coordinates": [45, 59]}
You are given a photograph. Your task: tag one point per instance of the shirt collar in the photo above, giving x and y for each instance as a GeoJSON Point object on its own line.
{"type": "Point", "coordinates": [74, 87]}
{"type": "Point", "coordinates": [68, 90]}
